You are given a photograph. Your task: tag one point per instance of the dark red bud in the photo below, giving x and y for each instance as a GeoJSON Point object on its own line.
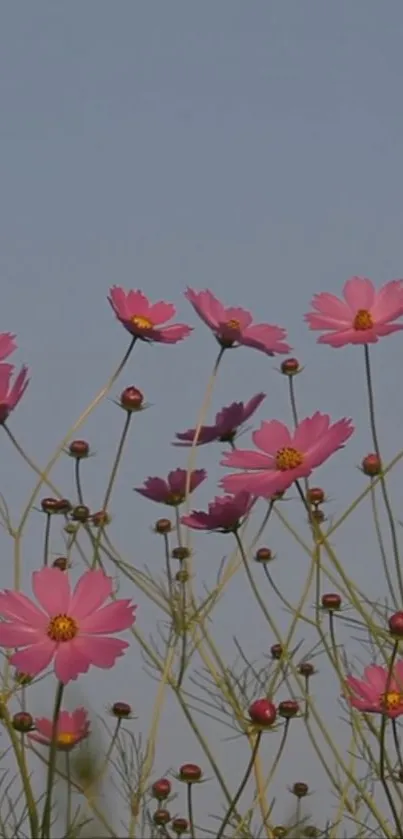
{"type": "Point", "coordinates": [63, 506]}
{"type": "Point", "coordinates": [396, 624]}
{"type": "Point", "coordinates": [306, 669]}
{"type": "Point", "coordinates": [79, 448]}
{"type": "Point", "coordinates": [331, 602]}
{"type": "Point", "coordinates": [101, 518]}
{"type": "Point", "coordinates": [300, 789]}
{"type": "Point", "coordinates": [288, 708]}
{"type": "Point", "coordinates": [263, 555]}
{"type": "Point", "coordinates": [61, 562]}
{"type": "Point", "coordinates": [371, 465]}
{"type": "Point", "coordinates": [161, 789]}
{"type": "Point", "coordinates": [121, 710]}
{"type": "Point", "coordinates": [131, 399]}
{"type": "Point", "coordinates": [190, 773]}
{"type": "Point", "coordinates": [49, 505]}
{"type": "Point", "coordinates": [315, 495]}
{"type": "Point", "coordinates": [290, 366]}
{"type": "Point", "coordinates": [263, 712]}
{"type": "Point", "coordinates": [180, 552]}
{"type": "Point", "coordinates": [161, 817]}
{"type": "Point", "coordinates": [180, 825]}
{"type": "Point", "coordinates": [276, 651]}
{"type": "Point", "coordinates": [163, 526]}
{"type": "Point", "coordinates": [23, 722]}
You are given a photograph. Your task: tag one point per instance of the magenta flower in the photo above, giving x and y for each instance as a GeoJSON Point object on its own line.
{"type": "Point", "coordinates": [285, 457]}
{"type": "Point", "coordinates": [7, 344]}
{"type": "Point", "coordinates": [171, 491]}
{"type": "Point", "coordinates": [10, 395]}
{"type": "Point", "coordinates": [70, 730]}
{"type": "Point", "coordinates": [227, 423]}
{"type": "Point", "coordinates": [225, 514]}
{"type": "Point", "coordinates": [144, 319]}
{"type": "Point", "coordinates": [233, 326]}
{"type": "Point", "coordinates": [364, 316]}
{"type": "Point", "coordinates": [69, 627]}
{"type": "Point", "coordinates": [376, 693]}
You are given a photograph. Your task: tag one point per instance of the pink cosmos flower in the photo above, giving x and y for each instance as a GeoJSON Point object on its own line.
{"type": "Point", "coordinates": [7, 344]}
{"type": "Point", "coordinates": [376, 693]}
{"type": "Point", "coordinates": [224, 514]}
{"type": "Point", "coordinates": [10, 395]}
{"type": "Point", "coordinates": [69, 627]}
{"type": "Point", "coordinates": [285, 456]}
{"type": "Point", "coordinates": [71, 729]}
{"type": "Point", "coordinates": [172, 490]}
{"type": "Point", "coordinates": [234, 327]}
{"type": "Point", "coordinates": [143, 319]}
{"type": "Point", "coordinates": [227, 423]}
{"type": "Point", "coordinates": [364, 316]}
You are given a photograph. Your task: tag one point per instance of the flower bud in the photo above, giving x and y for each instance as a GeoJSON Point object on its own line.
{"type": "Point", "coordinates": [290, 366]}
{"type": "Point", "coordinates": [121, 710]}
{"type": "Point", "coordinates": [190, 773]}
{"type": "Point", "coordinates": [396, 624]}
{"type": "Point", "coordinates": [182, 576]}
{"type": "Point", "coordinates": [263, 712]}
{"type": "Point", "coordinates": [22, 722]}
{"type": "Point", "coordinates": [22, 679]}
{"type": "Point", "coordinates": [79, 448]}
{"type": "Point", "coordinates": [161, 817]}
{"type": "Point", "coordinates": [315, 495]}
{"type": "Point", "coordinates": [49, 505]}
{"type": "Point", "coordinates": [300, 790]}
{"type": "Point", "coordinates": [63, 506]}
{"type": "Point", "coordinates": [180, 552]}
{"type": "Point", "coordinates": [163, 526]}
{"type": "Point", "coordinates": [61, 562]}
{"type": "Point", "coordinates": [101, 518]}
{"type": "Point", "coordinates": [279, 832]}
{"type": "Point", "coordinates": [161, 789]}
{"type": "Point", "coordinates": [131, 399]}
{"type": "Point", "coordinates": [371, 465]}
{"type": "Point", "coordinates": [306, 669]}
{"type": "Point", "coordinates": [180, 825]}
{"type": "Point", "coordinates": [288, 708]}
{"type": "Point", "coordinates": [263, 555]}
{"type": "Point", "coordinates": [276, 651]}
{"type": "Point", "coordinates": [80, 513]}
{"type": "Point", "coordinates": [331, 602]}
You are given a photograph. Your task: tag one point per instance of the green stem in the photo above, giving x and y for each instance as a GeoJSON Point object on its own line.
{"type": "Point", "coordinates": [68, 795]}
{"type": "Point", "coordinates": [383, 780]}
{"type": "Point", "coordinates": [183, 628]}
{"type": "Point", "coordinates": [19, 752]}
{"type": "Point", "coordinates": [241, 787]}
{"type": "Point", "coordinates": [30, 462]}
{"type": "Point", "coordinates": [168, 568]}
{"type": "Point", "coordinates": [190, 812]}
{"type": "Point", "coordinates": [47, 810]}
{"type": "Point", "coordinates": [77, 473]}
{"type": "Point", "coordinates": [397, 744]}
{"type": "Point", "coordinates": [46, 540]}
{"type": "Point", "coordinates": [382, 549]}
{"type": "Point", "coordinates": [293, 400]}
{"type": "Point", "coordinates": [109, 489]}
{"type": "Point", "coordinates": [384, 491]}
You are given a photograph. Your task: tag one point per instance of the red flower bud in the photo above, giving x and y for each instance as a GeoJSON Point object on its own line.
{"type": "Point", "coordinates": [315, 495]}
{"type": "Point", "coordinates": [180, 825]}
{"type": "Point", "coordinates": [263, 555]}
{"type": "Point", "coordinates": [300, 789]}
{"type": "Point", "coordinates": [79, 448]}
{"type": "Point", "coordinates": [306, 669]}
{"type": "Point", "coordinates": [288, 708]}
{"type": "Point", "coordinates": [190, 773]}
{"type": "Point", "coordinates": [276, 651]}
{"type": "Point", "coordinates": [161, 817]}
{"type": "Point", "coordinates": [61, 562]}
{"type": "Point", "coordinates": [101, 518]}
{"type": "Point", "coordinates": [163, 526]}
{"type": "Point", "coordinates": [49, 505]}
{"type": "Point", "coordinates": [290, 366]}
{"type": "Point", "coordinates": [331, 602]}
{"type": "Point", "coordinates": [131, 399]}
{"type": "Point", "coordinates": [161, 789]}
{"type": "Point", "coordinates": [263, 712]}
{"type": "Point", "coordinates": [121, 710]}
{"type": "Point", "coordinates": [371, 465]}
{"type": "Point", "coordinates": [396, 624]}
{"type": "Point", "coordinates": [23, 722]}
{"type": "Point", "coordinates": [63, 506]}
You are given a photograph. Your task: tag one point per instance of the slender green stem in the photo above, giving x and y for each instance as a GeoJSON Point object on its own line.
{"type": "Point", "coordinates": [384, 491]}
{"type": "Point", "coordinates": [183, 629]}
{"type": "Point", "coordinates": [109, 489]}
{"type": "Point", "coordinates": [383, 780]}
{"type": "Point", "coordinates": [293, 400]}
{"type": "Point", "coordinates": [190, 811]}
{"type": "Point", "coordinates": [241, 787]}
{"type": "Point", "coordinates": [47, 810]}
{"type": "Point", "coordinates": [68, 795]}
{"type": "Point", "coordinates": [77, 473]}
{"type": "Point", "coordinates": [19, 752]}
{"type": "Point", "coordinates": [382, 549]}
{"type": "Point", "coordinates": [46, 540]}
{"type": "Point", "coordinates": [396, 740]}
{"type": "Point", "coordinates": [168, 568]}
{"type": "Point", "coordinates": [29, 461]}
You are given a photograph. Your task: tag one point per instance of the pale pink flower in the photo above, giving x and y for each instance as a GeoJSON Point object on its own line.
{"type": "Point", "coordinates": [10, 395]}
{"type": "Point", "coordinates": [376, 693]}
{"type": "Point", "coordinates": [144, 319]}
{"type": "Point", "coordinates": [71, 729]}
{"type": "Point", "coordinates": [171, 490]}
{"type": "Point", "coordinates": [234, 326]}
{"type": "Point", "coordinates": [7, 344]}
{"type": "Point", "coordinates": [285, 456]}
{"type": "Point", "coordinates": [225, 513]}
{"type": "Point", "coordinates": [364, 316]}
{"type": "Point", "coordinates": [227, 423]}
{"type": "Point", "coordinates": [69, 627]}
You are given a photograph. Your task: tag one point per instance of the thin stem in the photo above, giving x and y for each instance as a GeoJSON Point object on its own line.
{"type": "Point", "coordinates": [242, 785]}
{"type": "Point", "coordinates": [68, 795]}
{"type": "Point", "coordinates": [19, 752]}
{"type": "Point", "coordinates": [384, 720]}
{"type": "Point", "coordinates": [77, 473]}
{"type": "Point", "coordinates": [190, 811]}
{"type": "Point", "coordinates": [168, 568]}
{"type": "Point", "coordinates": [109, 488]}
{"type": "Point", "coordinates": [397, 744]}
{"type": "Point", "coordinates": [382, 549]}
{"type": "Point", "coordinates": [388, 507]}
{"type": "Point", "coordinates": [29, 461]}
{"type": "Point", "coordinates": [46, 540]}
{"type": "Point", "coordinates": [47, 810]}
{"type": "Point", "coordinates": [183, 629]}
{"type": "Point", "coordinates": [293, 400]}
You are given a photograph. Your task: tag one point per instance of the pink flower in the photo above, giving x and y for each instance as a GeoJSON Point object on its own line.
{"type": "Point", "coordinates": [364, 316]}
{"type": "Point", "coordinates": [71, 729]}
{"type": "Point", "coordinates": [7, 344]}
{"type": "Point", "coordinates": [143, 319]}
{"type": "Point", "coordinates": [376, 693]}
{"type": "Point", "coordinates": [227, 423]}
{"type": "Point", "coordinates": [69, 627]}
{"type": "Point", "coordinates": [285, 457]}
{"type": "Point", "coordinates": [171, 491]}
{"type": "Point", "coordinates": [11, 395]}
{"type": "Point", "coordinates": [224, 514]}
{"type": "Point", "coordinates": [234, 327]}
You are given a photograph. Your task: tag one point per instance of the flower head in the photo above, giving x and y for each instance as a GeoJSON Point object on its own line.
{"type": "Point", "coordinates": [377, 693]}
{"type": "Point", "coordinates": [234, 326]}
{"type": "Point", "coordinates": [71, 729]}
{"type": "Point", "coordinates": [364, 316]}
{"type": "Point", "coordinates": [10, 395]}
{"type": "Point", "coordinates": [144, 319]}
{"type": "Point", "coordinates": [7, 344]}
{"type": "Point", "coordinates": [225, 514]}
{"type": "Point", "coordinates": [172, 490]}
{"type": "Point", "coordinates": [69, 627]}
{"type": "Point", "coordinates": [285, 456]}
{"type": "Point", "coordinates": [227, 423]}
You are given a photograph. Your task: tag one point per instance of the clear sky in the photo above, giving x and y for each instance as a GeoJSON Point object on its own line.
{"type": "Point", "coordinates": [253, 148]}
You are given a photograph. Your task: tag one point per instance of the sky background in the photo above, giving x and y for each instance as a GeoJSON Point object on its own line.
{"type": "Point", "coordinates": [255, 149]}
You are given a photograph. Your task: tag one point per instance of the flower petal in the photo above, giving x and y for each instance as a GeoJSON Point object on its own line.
{"type": "Point", "coordinates": [115, 617]}
{"type": "Point", "coordinates": [272, 436]}
{"type": "Point", "coordinates": [91, 591]}
{"type": "Point", "coordinates": [35, 658]}
{"type": "Point", "coordinates": [359, 293]}
{"type": "Point", "coordinates": [100, 651]}
{"type": "Point", "coordinates": [70, 661]}
{"type": "Point", "coordinates": [19, 635]}
{"type": "Point", "coordinates": [52, 590]}
{"type": "Point", "coordinates": [17, 606]}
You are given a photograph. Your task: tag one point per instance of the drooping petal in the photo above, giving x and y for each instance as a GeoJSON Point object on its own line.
{"type": "Point", "coordinates": [52, 590]}
{"type": "Point", "coordinates": [35, 658]}
{"type": "Point", "coordinates": [91, 591]}
{"type": "Point", "coordinates": [115, 617]}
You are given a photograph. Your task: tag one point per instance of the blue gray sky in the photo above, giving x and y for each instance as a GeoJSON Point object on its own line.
{"type": "Point", "coordinates": [251, 148]}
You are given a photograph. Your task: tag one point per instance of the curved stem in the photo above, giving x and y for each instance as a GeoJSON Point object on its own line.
{"type": "Point", "coordinates": [382, 777]}
{"type": "Point", "coordinates": [385, 495]}
{"type": "Point", "coordinates": [47, 810]}
{"type": "Point", "coordinates": [241, 787]}
{"type": "Point", "coordinates": [109, 489]}
{"type": "Point", "coordinates": [77, 474]}
{"type": "Point", "coordinates": [30, 462]}
{"type": "Point", "coordinates": [190, 812]}
{"type": "Point", "coordinates": [46, 540]}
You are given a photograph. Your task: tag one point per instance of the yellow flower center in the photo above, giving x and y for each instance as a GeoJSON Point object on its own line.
{"type": "Point", "coordinates": [141, 323]}
{"type": "Point", "coordinates": [62, 628]}
{"type": "Point", "coordinates": [288, 458]}
{"type": "Point", "coordinates": [233, 324]}
{"type": "Point", "coordinates": [363, 320]}
{"type": "Point", "coordinates": [392, 700]}
{"type": "Point", "coordinates": [66, 739]}
{"type": "Point", "coordinates": [175, 498]}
